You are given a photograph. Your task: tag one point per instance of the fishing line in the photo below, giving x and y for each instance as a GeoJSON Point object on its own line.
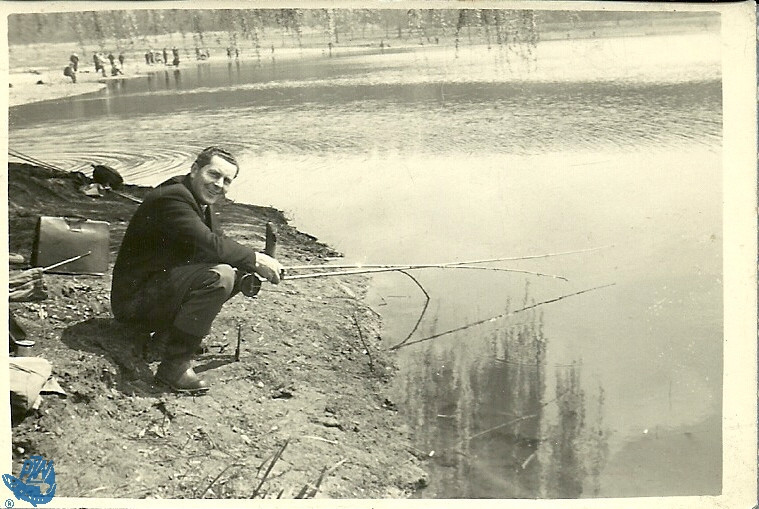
{"type": "Point", "coordinates": [497, 317]}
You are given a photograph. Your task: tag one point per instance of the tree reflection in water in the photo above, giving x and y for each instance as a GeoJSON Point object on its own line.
{"type": "Point", "coordinates": [480, 402]}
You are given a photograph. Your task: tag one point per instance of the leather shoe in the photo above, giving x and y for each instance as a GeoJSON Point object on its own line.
{"type": "Point", "coordinates": [180, 377]}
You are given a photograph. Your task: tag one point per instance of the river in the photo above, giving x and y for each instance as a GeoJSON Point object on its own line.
{"type": "Point", "coordinates": [608, 146]}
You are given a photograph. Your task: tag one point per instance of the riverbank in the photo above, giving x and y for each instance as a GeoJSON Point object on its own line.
{"type": "Point", "coordinates": [47, 83]}
{"type": "Point", "coordinates": [311, 382]}
{"type": "Point", "coordinates": [36, 70]}
{"type": "Point", "coordinates": [44, 85]}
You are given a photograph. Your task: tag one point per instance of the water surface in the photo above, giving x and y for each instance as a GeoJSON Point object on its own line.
{"type": "Point", "coordinates": [425, 156]}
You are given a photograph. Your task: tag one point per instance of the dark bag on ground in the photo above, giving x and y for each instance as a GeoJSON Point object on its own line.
{"type": "Point", "coordinates": [60, 238]}
{"type": "Point", "coordinates": [106, 176]}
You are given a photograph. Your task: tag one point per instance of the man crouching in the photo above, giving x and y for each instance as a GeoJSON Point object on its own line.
{"type": "Point", "coordinates": [175, 269]}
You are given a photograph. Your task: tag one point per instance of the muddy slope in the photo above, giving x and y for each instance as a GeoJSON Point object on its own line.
{"type": "Point", "coordinates": [310, 383]}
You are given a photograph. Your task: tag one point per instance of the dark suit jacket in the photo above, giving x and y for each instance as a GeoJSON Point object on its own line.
{"type": "Point", "coordinates": [169, 229]}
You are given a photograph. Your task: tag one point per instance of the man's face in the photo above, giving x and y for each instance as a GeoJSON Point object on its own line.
{"type": "Point", "coordinates": [212, 181]}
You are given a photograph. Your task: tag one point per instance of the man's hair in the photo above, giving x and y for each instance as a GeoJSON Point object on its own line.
{"type": "Point", "coordinates": [205, 157]}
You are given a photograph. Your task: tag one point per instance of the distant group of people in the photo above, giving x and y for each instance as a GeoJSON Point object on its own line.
{"type": "Point", "coordinates": [114, 65]}
{"type": "Point", "coordinates": [158, 57]}
{"type": "Point", "coordinates": [100, 65]}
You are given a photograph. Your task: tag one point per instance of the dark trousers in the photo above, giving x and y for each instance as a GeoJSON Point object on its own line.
{"type": "Point", "coordinates": [183, 302]}
{"type": "Point", "coordinates": [208, 288]}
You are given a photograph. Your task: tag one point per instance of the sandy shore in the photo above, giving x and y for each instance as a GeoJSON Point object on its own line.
{"type": "Point", "coordinates": [45, 83]}
{"type": "Point", "coordinates": [34, 85]}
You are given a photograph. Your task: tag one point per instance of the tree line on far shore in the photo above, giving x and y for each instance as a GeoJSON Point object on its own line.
{"type": "Point", "coordinates": [138, 28]}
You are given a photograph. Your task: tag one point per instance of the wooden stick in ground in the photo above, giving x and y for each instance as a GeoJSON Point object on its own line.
{"type": "Point", "coordinates": [271, 240]}
{"type": "Point", "coordinates": [269, 250]}
{"type": "Point", "coordinates": [239, 340]}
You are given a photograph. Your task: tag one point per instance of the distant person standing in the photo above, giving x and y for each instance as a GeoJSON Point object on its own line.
{"type": "Point", "coordinates": [147, 57]}
{"type": "Point", "coordinates": [165, 56]}
{"type": "Point", "coordinates": [229, 51]}
{"type": "Point", "coordinates": [74, 59]}
{"type": "Point", "coordinates": [121, 60]}
{"type": "Point", "coordinates": [96, 61]}
{"type": "Point", "coordinates": [111, 58]}
{"type": "Point", "coordinates": [115, 69]}
{"type": "Point", "coordinates": [70, 72]}
{"type": "Point", "coordinates": [175, 51]}
{"type": "Point", "coordinates": [103, 69]}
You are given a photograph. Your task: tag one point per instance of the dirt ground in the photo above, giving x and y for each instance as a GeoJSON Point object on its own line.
{"type": "Point", "coordinates": [307, 397]}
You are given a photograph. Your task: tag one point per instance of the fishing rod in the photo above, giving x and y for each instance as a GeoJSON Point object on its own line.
{"type": "Point", "coordinates": [43, 164]}
{"type": "Point", "coordinates": [400, 268]}
{"type": "Point", "coordinates": [252, 284]}
{"type": "Point", "coordinates": [64, 262]}
{"type": "Point", "coordinates": [356, 269]}
{"type": "Point", "coordinates": [124, 195]}
{"type": "Point", "coordinates": [373, 268]}
{"type": "Point", "coordinates": [29, 159]}
{"type": "Point", "coordinates": [444, 264]}
{"type": "Point", "coordinates": [18, 281]}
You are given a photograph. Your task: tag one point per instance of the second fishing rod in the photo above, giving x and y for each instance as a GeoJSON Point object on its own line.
{"type": "Point", "coordinates": [251, 283]}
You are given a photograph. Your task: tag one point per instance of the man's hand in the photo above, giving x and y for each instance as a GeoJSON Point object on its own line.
{"type": "Point", "coordinates": [269, 268]}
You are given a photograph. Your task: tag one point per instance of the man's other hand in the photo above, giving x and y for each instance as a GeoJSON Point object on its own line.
{"type": "Point", "coordinates": [269, 268]}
